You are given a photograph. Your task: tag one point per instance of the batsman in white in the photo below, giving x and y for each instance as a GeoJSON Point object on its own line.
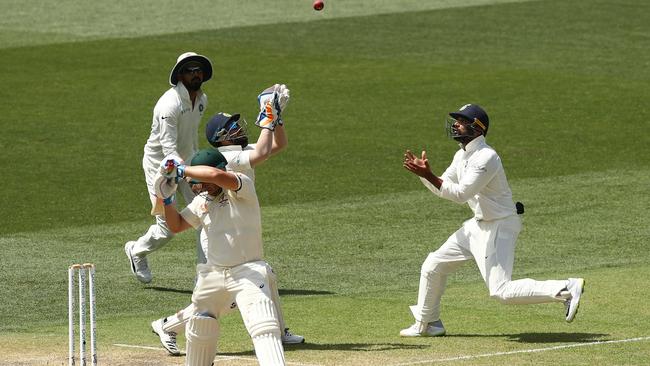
{"type": "Point", "coordinates": [228, 133]}
{"type": "Point", "coordinates": [476, 177]}
{"type": "Point", "coordinates": [228, 214]}
{"type": "Point", "coordinates": [174, 131]}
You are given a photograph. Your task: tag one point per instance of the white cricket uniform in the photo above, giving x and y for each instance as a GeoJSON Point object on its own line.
{"type": "Point", "coordinates": [174, 130]}
{"type": "Point", "coordinates": [476, 177]}
{"type": "Point", "coordinates": [238, 161]}
{"type": "Point", "coordinates": [239, 158]}
{"type": "Point", "coordinates": [235, 274]}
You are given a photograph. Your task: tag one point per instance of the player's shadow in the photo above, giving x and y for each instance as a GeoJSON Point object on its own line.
{"type": "Point", "coordinates": [298, 292]}
{"type": "Point", "coordinates": [556, 337]}
{"type": "Point", "coordinates": [283, 292]}
{"type": "Point", "coordinates": [167, 289]}
{"type": "Point", "coordinates": [351, 347]}
{"type": "Point", "coordinates": [540, 337]}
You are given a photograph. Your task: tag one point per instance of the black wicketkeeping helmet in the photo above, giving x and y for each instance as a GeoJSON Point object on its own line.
{"type": "Point", "coordinates": [225, 127]}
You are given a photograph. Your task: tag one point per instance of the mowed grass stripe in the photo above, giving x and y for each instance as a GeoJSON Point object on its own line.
{"type": "Point", "coordinates": [77, 20]}
{"type": "Point", "coordinates": [353, 247]}
{"type": "Point", "coordinates": [361, 94]}
{"type": "Point", "coordinates": [363, 330]}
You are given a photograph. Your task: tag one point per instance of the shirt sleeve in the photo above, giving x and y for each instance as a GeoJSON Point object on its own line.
{"type": "Point", "coordinates": [192, 214]}
{"type": "Point", "coordinates": [241, 160]}
{"type": "Point", "coordinates": [477, 174]}
{"type": "Point", "coordinates": [168, 121]}
{"type": "Point", "coordinates": [448, 175]}
{"type": "Point", "coordinates": [246, 188]}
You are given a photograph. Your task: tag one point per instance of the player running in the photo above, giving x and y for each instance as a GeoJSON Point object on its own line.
{"type": "Point", "coordinates": [476, 177]}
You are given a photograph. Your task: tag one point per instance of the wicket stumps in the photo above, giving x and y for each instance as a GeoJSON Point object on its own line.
{"type": "Point", "coordinates": [86, 273]}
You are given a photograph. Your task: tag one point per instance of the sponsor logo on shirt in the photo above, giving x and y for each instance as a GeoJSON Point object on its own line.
{"type": "Point", "coordinates": [223, 201]}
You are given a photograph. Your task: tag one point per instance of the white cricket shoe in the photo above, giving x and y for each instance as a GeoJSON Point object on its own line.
{"type": "Point", "coordinates": [575, 287]}
{"type": "Point", "coordinates": [433, 329]}
{"type": "Point", "coordinates": [168, 339]}
{"type": "Point", "coordinates": [139, 265]}
{"type": "Point", "coordinates": [290, 338]}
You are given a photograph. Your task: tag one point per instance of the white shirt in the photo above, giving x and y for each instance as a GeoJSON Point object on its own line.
{"type": "Point", "coordinates": [476, 176]}
{"type": "Point", "coordinates": [175, 126]}
{"type": "Point", "coordinates": [238, 158]}
{"type": "Point", "coordinates": [231, 224]}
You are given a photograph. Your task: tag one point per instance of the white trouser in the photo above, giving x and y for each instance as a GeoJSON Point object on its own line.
{"type": "Point", "coordinates": [176, 323]}
{"type": "Point", "coordinates": [219, 289]}
{"type": "Point", "coordinates": [159, 234]}
{"type": "Point", "coordinates": [492, 246]}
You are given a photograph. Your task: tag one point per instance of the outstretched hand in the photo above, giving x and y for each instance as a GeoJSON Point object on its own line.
{"type": "Point", "coordinates": [418, 166]}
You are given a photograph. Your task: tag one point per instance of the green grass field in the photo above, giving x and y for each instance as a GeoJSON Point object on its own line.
{"type": "Point", "coordinates": [345, 226]}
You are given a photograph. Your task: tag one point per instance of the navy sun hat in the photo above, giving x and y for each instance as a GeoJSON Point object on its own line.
{"type": "Point", "coordinates": [206, 66]}
{"type": "Point", "coordinates": [472, 113]}
{"type": "Point", "coordinates": [215, 128]}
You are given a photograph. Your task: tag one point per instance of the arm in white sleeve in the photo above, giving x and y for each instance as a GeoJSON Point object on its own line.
{"type": "Point", "coordinates": [262, 148]}
{"type": "Point", "coordinates": [448, 175]}
{"type": "Point", "coordinates": [168, 119]}
{"type": "Point", "coordinates": [475, 177]}
{"type": "Point", "coordinates": [191, 214]}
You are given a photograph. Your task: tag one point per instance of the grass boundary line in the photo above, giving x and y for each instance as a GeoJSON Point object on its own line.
{"type": "Point", "coordinates": [534, 350]}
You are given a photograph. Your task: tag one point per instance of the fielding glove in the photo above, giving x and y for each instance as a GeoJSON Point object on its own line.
{"type": "Point", "coordinates": [283, 100]}
{"type": "Point", "coordinates": [269, 101]}
{"type": "Point", "coordinates": [172, 167]}
{"type": "Point", "coordinates": [165, 188]}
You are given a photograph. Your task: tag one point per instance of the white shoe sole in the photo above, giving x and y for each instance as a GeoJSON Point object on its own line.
{"type": "Point", "coordinates": [155, 330]}
{"type": "Point", "coordinates": [575, 302]}
{"type": "Point", "coordinates": [127, 249]}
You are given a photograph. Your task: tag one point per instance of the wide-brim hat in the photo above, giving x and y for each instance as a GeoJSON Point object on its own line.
{"type": "Point", "coordinates": [206, 66]}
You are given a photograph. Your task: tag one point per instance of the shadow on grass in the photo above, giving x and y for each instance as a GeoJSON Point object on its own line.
{"type": "Point", "coordinates": [288, 292]}
{"type": "Point", "coordinates": [167, 289]}
{"type": "Point", "coordinates": [556, 337]}
{"type": "Point", "coordinates": [352, 347]}
{"type": "Point", "coordinates": [540, 337]}
{"type": "Point", "coordinates": [294, 292]}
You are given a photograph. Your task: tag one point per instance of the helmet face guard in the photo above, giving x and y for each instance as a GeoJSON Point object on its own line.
{"type": "Point", "coordinates": [452, 132]}
{"type": "Point", "coordinates": [235, 131]}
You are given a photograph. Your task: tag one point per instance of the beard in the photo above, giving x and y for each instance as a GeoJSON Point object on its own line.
{"type": "Point", "coordinates": [195, 84]}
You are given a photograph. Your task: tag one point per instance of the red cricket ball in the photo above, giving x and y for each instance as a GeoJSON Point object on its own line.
{"type": "Point", "coordinates": [319, 5]}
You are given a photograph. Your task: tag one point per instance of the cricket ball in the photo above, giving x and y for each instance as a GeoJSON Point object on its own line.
{"type": "Point", "coordinates": [319, 5]}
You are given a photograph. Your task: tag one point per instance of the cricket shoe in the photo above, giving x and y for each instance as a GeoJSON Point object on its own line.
{"type": "Point", "coordinates": [168, 339]}
{"type": "Point", "coordinates": [575, 287]}
{"type": "Point", "coordinates": [433, 329]}
{"type": "Point", "coordinates": [139, 265]}
{"type": "Point", "coordinates": [290, 338]}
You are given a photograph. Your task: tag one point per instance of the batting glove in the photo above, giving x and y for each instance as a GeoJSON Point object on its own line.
{"type": "Point", "coordinates": [165, 188]}
{"type": "Point", "coordinates": [172, 167]}
{"type": "Point", "coordinates": [270, 109]}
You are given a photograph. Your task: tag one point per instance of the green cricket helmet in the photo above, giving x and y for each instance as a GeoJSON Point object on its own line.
{"type": "Point", "coordinates": [210, 157]}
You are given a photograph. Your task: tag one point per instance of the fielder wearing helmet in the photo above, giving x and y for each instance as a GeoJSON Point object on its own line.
{"type": "Point", "coordinates": [476, 177]}
{"type": "Point", "coordinates": [225, 129]}
{"type": "Point", "coordinates": [468, 122]}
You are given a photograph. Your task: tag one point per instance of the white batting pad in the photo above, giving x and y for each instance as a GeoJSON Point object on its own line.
{"type": "Point", "coordinates": [202, 333]}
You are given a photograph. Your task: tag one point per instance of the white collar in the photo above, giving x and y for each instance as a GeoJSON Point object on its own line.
{"type": "Point", "coordinates": [475, 144]}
